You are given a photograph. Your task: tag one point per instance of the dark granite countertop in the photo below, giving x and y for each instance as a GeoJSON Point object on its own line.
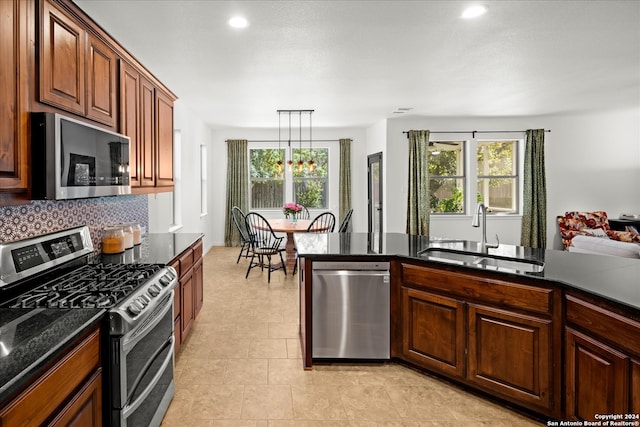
{"type": "Point", "coordinates": [29, 338]}
{"type": "Point", "coordinates": [614, 278]}
{"type": "Point", "coordinates": [156, 248]}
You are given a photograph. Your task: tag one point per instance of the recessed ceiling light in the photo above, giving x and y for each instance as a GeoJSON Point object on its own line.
{"type": "Point", "coordinates": [238, 22]}
{"type": "Point", "coordinates": [474, 11]}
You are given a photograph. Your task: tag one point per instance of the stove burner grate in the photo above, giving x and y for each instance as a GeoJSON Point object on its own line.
{"type": "Point", "coordinates": [90, 286]}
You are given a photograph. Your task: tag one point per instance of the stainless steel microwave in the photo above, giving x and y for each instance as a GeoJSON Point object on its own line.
{"type": "Point", "coordinates": [72, 159]}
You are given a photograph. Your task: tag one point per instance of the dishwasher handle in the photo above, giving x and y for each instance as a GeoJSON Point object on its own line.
{"type": "Point", "coordinates": [351, 265]}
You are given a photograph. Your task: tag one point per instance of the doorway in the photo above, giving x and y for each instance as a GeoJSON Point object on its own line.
{"type": "Point", "coordinates": [374, 185]}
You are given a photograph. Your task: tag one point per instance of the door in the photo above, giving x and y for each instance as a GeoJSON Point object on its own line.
{"type": "Point", "coordinates": [510, 354]}
{"type": "Point", "coordinates": [374, 170]}
{"type": "Point", "coordinates": [596, 378]}
{"type": "Point", "coordinates": [433, 331]}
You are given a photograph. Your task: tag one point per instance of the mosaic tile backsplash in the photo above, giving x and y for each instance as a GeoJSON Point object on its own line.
{"type": "Point", "coordinates": [46, 216]}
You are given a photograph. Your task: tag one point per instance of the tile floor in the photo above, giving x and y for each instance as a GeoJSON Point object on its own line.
{"type": "Point", "coordinates": [241, 367]}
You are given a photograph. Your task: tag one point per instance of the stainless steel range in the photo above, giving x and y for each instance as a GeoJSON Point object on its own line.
{"type": "Point", "coordinates": [53, 271]}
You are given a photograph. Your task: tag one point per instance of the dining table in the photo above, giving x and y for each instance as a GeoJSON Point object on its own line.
{"type": "Point", "coordinates": [286, 226]}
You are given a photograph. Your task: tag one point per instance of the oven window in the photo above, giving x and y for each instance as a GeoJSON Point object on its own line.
{"type": "Point", "coordinates": [139, 356]}
{"type": "Point", "coordinates": [143, 415]}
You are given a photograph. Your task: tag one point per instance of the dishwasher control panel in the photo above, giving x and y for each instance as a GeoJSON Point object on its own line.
{"type": "Point", "coordinates": [351, 265]}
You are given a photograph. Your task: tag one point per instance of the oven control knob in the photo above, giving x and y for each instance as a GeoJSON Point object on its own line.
{"type": "Point", "coordinates": [165, 280]}
{"type": "Point", "coordinates": [154, 290]}
{"type": "Point", "coordinates": [133, 309]}
{"type": "Point", "coordinates": [143, 301]}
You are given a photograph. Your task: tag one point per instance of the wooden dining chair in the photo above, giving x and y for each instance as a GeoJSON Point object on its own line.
{"type": "Point", "coordinates": [344, 226]}
{"type": "Point", "coordinates": [239, 220]}
{"type": "Point", "coordinates": [303, 214]}
{"type": "Point", "coordinates": [323, 223]}
{"type": "Point", "coordinates": [264, 243]}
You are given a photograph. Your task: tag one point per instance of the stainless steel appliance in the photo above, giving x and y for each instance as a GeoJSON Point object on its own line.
{"type": "Point", "coordinates": [53, 271]}
{"type": "Point", "coordinates": [72, 159]}
{"type": "Point", "coordinates": [350, 310]}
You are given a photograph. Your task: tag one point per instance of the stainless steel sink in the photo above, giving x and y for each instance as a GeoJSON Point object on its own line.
{"type": "Point", "coordinates": [482, 260]}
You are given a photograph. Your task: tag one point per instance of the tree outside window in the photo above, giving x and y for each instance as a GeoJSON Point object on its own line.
{"type": "Point", "coordinates": [497, 175]}
{"type": "Point", "coordinates": [266, 180]}
{"type": "Point", "coordinates": [310, 184]}
{"type": "Point", "coordinates": [446, 176]}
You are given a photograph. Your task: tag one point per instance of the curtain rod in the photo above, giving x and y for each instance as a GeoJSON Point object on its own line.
{"type": "Point", "coordinates": [304, 141]}
{"type": "Point", "coordinates": [473, 132]}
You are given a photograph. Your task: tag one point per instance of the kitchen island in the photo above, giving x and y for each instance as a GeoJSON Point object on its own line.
{"type": "Point", "coordinates": [522, 337]}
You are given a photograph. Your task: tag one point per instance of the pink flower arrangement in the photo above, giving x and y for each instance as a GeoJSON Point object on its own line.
{"type": "Point", "coordinates": [291, 209]}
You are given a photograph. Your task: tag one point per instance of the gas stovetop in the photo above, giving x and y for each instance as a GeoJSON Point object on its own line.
{"type": "Point", "coordinates": [90, 286]}
{"type": "Point", "coordinates": [52, 271]}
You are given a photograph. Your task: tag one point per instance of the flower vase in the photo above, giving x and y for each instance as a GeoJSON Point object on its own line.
{"type": "Point", "coordinates": [292, 218]}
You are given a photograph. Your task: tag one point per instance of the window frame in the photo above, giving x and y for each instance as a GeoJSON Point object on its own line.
{"type": "Point", "coordinates": [288, 175]}
{"type": "Point", "coordinates": [471, 176]}
{"type": "Point", "coordinates": [462, 177]}
{"type": "Point", "coordinates": [516, 168]}
{"type": "Point", "coordinates": [250, 179]}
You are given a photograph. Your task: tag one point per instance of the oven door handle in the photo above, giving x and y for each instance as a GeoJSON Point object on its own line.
{"type": "Point", "coordinates": [130, 407]}
{"type": "Point", "coordinates": [131, 339]}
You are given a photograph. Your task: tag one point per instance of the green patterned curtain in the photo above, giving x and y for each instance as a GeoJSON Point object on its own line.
{"type": "Point", "coordinates": [237, 186]}
{"type": "Point", "coordinates": [418, 197]}
{"type": "Point", "coordinates": [345, 179]}
{"type": "Point", "coordinates": [534, 216]}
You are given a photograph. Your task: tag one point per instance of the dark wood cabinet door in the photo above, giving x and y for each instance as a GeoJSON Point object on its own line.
{"type": "Point", "coordinates": [101, 71]}
{"type": "Point", "coordinates": [164, 140]}
{"type": "Point", "coordinates": [198, 287]}
{"type": "Point", "coordinates": [510, 354]}
{"type": "Point", "coordinates": [62, 60]}
{"type": "Point", "coordinates": [634, 397]}
{"type": "Point", "coordinates": [85, 409]}
{"type": "Point", "coordinates": [147, 145]}
{"type": "Point", "coordinates": [187, 311]}
{"type": "Point", "coordinates": [433, 331]}
{"type": "Point", "coordinates": [130, 116]}
{"type": "Point", "coordinates": [14, 45]}
{"type": "Point", "coordinates": [596, 376]}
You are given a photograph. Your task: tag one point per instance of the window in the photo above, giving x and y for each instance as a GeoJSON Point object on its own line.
{"type": "Point", "coordinates": [203, 180]}
{"type": "Point", "coordinates": [273, 186]}
{"type": "Point", "coordinates": [310, 184]}
{"type": "Point", "coordinates": [497, 175]}
{"type": "Point", "coordinates": [266, 178]}
{"type": "Point", "coordinates": [446, 176]}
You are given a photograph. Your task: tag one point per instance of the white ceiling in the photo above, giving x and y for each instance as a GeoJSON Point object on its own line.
{"type": "Point", "coordinates": [356, 62]}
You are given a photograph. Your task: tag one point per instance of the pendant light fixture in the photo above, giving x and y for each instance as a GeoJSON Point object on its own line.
{"type": "Point", "coordinates": [310, 163]}
{"type": "Point", "coordinates": [301, 163]}
{"type": "Point", "coordinates": [280, 162]}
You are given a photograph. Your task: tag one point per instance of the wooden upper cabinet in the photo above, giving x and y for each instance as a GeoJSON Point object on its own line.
{"type": "Point", "coordinates": [78, 70]}
{"type": "Point", "coordinates": [147, 146]}
{"type": "Point", "coordinates": [14, 51]}
{"type": "Point", "coordinates": [130, 116]}
{"type": "Point", "coordinates": [164, 135]}
{"type": "Point", "coordinates": [137, 118]}
{"type": "Point", "coordinates": [101, 81]}
{"type": "Point", "coordinates": [62, 60]}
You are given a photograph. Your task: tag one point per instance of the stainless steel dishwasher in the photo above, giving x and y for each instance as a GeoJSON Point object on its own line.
{"type": "Point", "coordinates": [350, 310]}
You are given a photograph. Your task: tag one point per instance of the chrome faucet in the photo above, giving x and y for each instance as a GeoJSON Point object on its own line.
{"type": "Point", "coordinates": [481, 210]}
